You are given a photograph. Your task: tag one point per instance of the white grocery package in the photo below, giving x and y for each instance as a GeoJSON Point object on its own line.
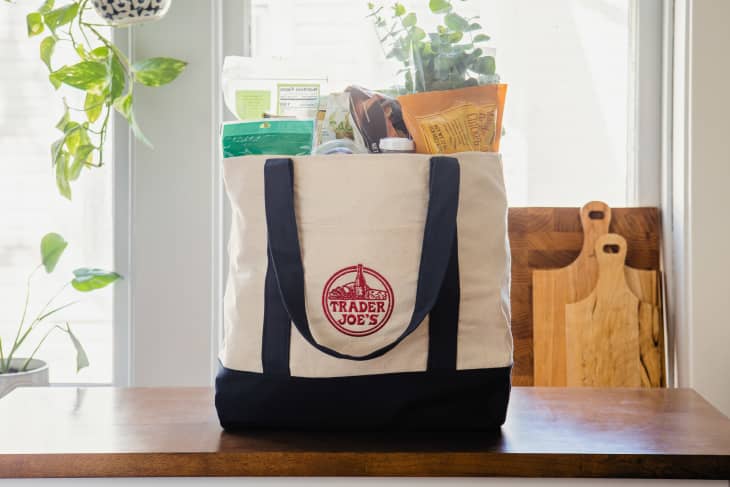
{"type": "Point", "coordinates": [255, 87]}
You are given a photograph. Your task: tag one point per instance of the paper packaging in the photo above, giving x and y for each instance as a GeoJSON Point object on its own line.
{"type": "Point", "coordinates": [460, 120]}
{"type": "Point", "coordinates": [257, 87]}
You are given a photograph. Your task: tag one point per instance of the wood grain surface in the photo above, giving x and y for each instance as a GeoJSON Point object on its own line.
{"type": "Point", "coordinates": [550, 432]}
{"type": "Point", "coordinates": [553, 288]}
{"type": "Point", "coordinates": [612, 337]}
{"type": "Point", "coordinates": [549, 238]}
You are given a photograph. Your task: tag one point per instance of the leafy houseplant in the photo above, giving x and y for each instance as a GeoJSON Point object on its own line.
{"type": "Point", "coordinates": [446, 59]}
{"type": "Point", "coordinates": [103, 73]}
{"type": "Point", "coordinates": [84, 280]}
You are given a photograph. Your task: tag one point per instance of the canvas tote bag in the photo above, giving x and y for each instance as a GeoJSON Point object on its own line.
{"type": "Point", "coordinates": [366, 292]}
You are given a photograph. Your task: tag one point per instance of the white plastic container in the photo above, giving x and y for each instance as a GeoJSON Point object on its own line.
{"type": "Point", "coordinates": [397, 145]}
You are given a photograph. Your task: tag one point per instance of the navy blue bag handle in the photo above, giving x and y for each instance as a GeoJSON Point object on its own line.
{"type": "Point", "coordinates": [438, 238]}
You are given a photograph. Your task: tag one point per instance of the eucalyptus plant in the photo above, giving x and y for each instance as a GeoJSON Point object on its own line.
{"type": "Point", "coordinates": [103, 73]}
{"type": "Point", "coordinates": [451, 57]}
{"type": "Point", "coordinates": [84, 280]}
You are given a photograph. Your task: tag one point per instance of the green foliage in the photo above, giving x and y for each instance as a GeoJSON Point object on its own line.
{"type": "Point", "coordinates": [103, 72]}
{"type": "Point", "coordinates": [82, 360]}
{"type": "Point", "coordinates": [446, 59]}
{"type": "Point", "coordinates": [157, 71]}
{"type": "Point", "coordinates": [52, 246]}
{"type": "Point", "coordinates": [84, 280]}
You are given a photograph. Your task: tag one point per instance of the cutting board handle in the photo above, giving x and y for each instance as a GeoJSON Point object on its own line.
{"type": "Point", "coordinates": [595, 217]}
{"type": "Point", "coordinates": [611, 254]}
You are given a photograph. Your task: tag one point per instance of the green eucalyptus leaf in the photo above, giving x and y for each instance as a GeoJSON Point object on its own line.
{"type": "Point", "coordinates": [441, 65]}
{"type": "Point", "coordinates": [157, 71]}
{"type": "Point", "coordinates": [46, 7]}
{"type": "Point", "coordinates": [472, 27]}
{"type": "Point", "coordinates": [86, 279]}
{"type": "Point", "coordinates": [439, 6]}
{"type": "Point", "coordinates": [481, 38]}
{"type": "Point", "coordinates": [484, 65]}
{"type": "Point", "coordinates": [82, 156]}
{"type": "Point", "coordinates": [93, 105]}
{"type": "Point", "coordinates": [34, 24]}
{"type": "Point", "coordinates": [417, 34]}
{"type": "Point", "coordinates": [47, 46]}
{"type": "Point", "coordinates": [409, 20]}
{"type": "Point", "coordinates": [455, 37]}
{"type": "Point", "coordinates": [52, 247]}
{"type": "Point", "coordinates": [61, 16]}
{"type": "Point", "coordinates": [82, 360]}
{"type": "Point", "coordinates": [62, 175]}
{"type": "Point", "coordinates": [398, 10]}
{"type": "Point", "coordinates": [86, 75]}
{"type": "Point", "coordinates": [456, 22]}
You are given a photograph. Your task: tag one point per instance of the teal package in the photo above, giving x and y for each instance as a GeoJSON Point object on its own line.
{"type": "Point", "coordinates": [268, 137]}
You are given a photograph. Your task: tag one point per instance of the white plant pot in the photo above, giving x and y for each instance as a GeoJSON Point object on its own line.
{"type": "Point", "coordinates": [126, 12]}
{"type": "Point", "coordinates": [36, 375]}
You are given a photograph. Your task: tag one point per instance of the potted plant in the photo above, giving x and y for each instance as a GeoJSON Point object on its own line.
{"type": "Point", "coordinates": [105, 75]}
{"type": "Point", "coordinates": [125, 12]}
{"type": "Point", "coordinates": [449, 58]}
{"type": "Point", "coordinates": [21, 371]}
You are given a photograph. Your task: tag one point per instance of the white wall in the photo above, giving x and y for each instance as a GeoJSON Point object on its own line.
{"type": "Point", "coordinates": [707, 186]}
{"type": "Point", "coordinates": [172, 219]}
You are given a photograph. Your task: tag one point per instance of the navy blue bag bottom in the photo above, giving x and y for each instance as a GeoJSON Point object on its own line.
{"type": "Point", "coordinates": [473, 400]}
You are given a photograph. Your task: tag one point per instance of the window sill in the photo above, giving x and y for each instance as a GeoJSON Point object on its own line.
{"type": "Point", "coordinates": [112, 432]}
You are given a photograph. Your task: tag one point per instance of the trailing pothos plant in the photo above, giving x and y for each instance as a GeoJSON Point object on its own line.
{"type": "Point", "coordinates": [106, 76]}
{"type": "Point", "coordinates": [84, 280]}
{"type": "Point", "coordinates": [449, 58]}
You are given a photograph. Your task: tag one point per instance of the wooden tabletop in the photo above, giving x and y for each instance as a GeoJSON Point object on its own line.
{"type": "Point", "coordinates": [83, 432]}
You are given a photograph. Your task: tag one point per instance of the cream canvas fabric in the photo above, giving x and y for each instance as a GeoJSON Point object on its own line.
{"type": "Point", "coordinates": [369, 210]}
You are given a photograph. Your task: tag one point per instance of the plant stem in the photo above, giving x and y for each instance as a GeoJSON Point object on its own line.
{"type": "Point", "coordinates": [35, 350]}
{"type": "Point", "coordinates": [122, 58]}
{"type": "Point", "coordinates": [82, 8]}
{"type": "Point", "coordinates": [19, 341]}
{"type": "Point", "coordinates": [22, 318]}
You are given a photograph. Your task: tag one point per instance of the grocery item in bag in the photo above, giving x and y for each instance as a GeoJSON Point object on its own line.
{"type": "Point", "coordinates": [461, 120]}
{"type": "Point", "coordinates": [270, 136]}
{"type": "Point", "coordinates": [337, 121]}
{"type": "Point", "coordinates": [376, 116]}
{"type": "Point", "coordinates": [259, 87]}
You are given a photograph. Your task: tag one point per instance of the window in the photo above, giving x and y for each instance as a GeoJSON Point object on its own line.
{"type": "Point", "coordinates": [567, 63]}
{"type": "Point", "coordinates": [30, 206]}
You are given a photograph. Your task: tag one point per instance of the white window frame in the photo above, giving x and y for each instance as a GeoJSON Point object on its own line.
{"type": "Point", "coordinates": [145, 334]}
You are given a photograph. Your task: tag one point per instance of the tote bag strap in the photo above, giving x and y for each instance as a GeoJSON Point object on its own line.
{"type": "Point", "coordinates": [284, 250]}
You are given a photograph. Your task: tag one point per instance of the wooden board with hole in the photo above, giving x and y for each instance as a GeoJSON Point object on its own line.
{"type": "Point", "coordinates": [613, 338]}
{"type": "Point", "coordinates": [545, 238]}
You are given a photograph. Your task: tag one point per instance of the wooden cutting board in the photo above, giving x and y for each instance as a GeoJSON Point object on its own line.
{"type": "Point", "coordinates": [552, 289]}
{"type": "Point", "coordinates": [612, 338]}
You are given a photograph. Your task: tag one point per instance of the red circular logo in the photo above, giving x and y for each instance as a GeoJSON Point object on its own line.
{"type": "Point", "coordinates": [357, 300]}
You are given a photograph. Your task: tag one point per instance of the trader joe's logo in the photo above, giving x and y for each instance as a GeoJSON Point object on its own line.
{"type": "Point", "coordinates": [357, 300]}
